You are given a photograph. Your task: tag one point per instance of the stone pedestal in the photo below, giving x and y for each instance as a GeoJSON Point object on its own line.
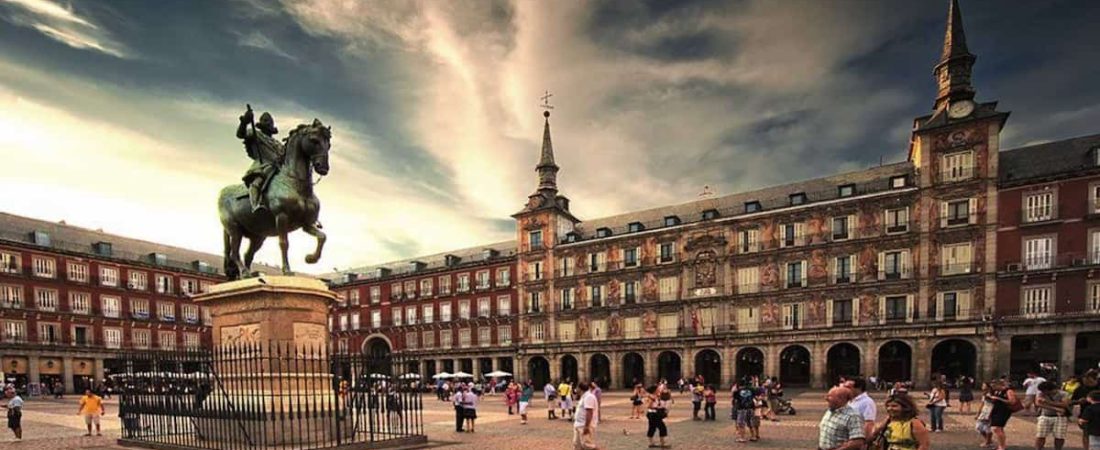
{"type": "Point", "coordinates": [271, 309]}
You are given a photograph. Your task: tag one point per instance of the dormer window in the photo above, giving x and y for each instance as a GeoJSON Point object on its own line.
{"type": "Point", "coordinates": [846, 190]}
{"type": "Point", "coordinates": [798, 199]}
{"type": "Point", "coordinates": [710, 214]}
{"type": "Point", "coordinates": [1096, 155]}
{"type": "Point", "coordinates": [635, 227]}
{"type": "Point", "coordinates": [671, 221]}
{"type": "Point", "coordinates": [897, 182]}
{"type": "Point", "coordinates": [572, 236]}
{"type": "Point", "coordinates": [753, 206]}
{"type": "Point", "coordinates": [603, 232]}
{"type": "Point", "coordinates": [40, 238]}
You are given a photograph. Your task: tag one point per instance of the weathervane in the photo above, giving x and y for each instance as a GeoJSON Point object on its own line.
{"type": "Point", "coordinates": [546, 103]}
{"type": "Point", "coordinates": [707, 192]}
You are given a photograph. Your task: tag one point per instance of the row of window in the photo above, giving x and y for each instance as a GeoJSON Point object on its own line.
{"type": "Point", "coordinates": [427, 339]}
{"type": "Point", "coordinates": [409, 315]}
{"type": "Point", "coordinates": [1042, 205]}
{"type": "Point", "coordinates": [45, 299]}
{"type": "Point", "coordinates": [15, 331]}
{"type": "Point", "coordinates": [1038, 301]}
{"type": "Point", "coordinates": [109, 276]}
{"type": "Point", "coordinates": [433, 286]}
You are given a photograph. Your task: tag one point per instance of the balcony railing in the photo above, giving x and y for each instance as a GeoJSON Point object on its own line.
{"type": "Point", "coordinates": [1038, 215]}
{"type": "Point", "coordinates": [958, 268]}
{"type": "Point", "coordinates": [1051, 262]}
{"type": "Point", "coordinates": [956, 175]}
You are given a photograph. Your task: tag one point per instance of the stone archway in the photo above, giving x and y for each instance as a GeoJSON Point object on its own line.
{"type": "Point", "coordinates": [377, 346]}
{"type": "Point", "coordinates": [599, 370]}
{"type": "Point", "coordinates": [749, 362]}
{"type": "Point", "coordinates": [954, 357]}
{"type": "Point", "coordinates": [538, 370]}
{"type": "Point", "coordinates": [633, 370]}
{"type": "Point", "coordinates": [569, 368]}
{"type": "Point", "coordinates": [895, 362]}
{"type": "Point", "coordinates": [794, 366]}
{"type": "Point", "coordinates": [843, 360]}
{"type": "Point", "coordinates": [669, 367]}
{"type": "Point", "coordinates": [709, 364]}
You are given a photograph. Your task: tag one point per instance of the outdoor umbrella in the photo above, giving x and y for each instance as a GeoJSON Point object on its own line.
{"type": "Point", "coordinates": [462, 375]}
{"type": "Point", "coordinates": [498, 374]}
{"type": "Point", "coordinates": [442, 375]}
{"type": "Point", "coordinates": [409, 376]}
{"type": "Point", "coordinates": [378, 376]}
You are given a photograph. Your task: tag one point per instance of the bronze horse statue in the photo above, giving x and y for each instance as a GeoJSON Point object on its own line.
{"type": "Point", "coordinates": [290, 202]}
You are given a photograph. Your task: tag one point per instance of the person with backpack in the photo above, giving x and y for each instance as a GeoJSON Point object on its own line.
{"type": "Point", "coordinates": [743, 408]}
{"type": "Point", "coordinates": [1005, 403]}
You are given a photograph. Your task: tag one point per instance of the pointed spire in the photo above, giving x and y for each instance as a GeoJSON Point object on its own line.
{"type": "Point", "coordinates": [954, 69]}
{"type": "Point", "coordinates": [546, 168]}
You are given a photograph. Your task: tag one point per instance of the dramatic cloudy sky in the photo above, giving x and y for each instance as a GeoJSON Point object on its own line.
{"type": "Point", "coordinates": [121, 114]}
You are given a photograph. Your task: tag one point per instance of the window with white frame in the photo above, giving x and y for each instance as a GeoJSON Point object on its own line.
{"type": "Point", "coordinates": [747, 240]}
{"type": "Point", "coordinates": [140, 337]}
{"type": "Point", "coordinates": [792, 316]}
{"type": "Point", "coordinates": [958, 166]}
{"type": "Point", "coordinates": [410, 289]}
{"type": "Point", "coordinates": [426, 287]}
{"type": "Point", "coordinates": [108, 276]}
{"type": "Point", "coordinates": [204, 286]}
{"type": "Point", "coordinates": [376, 319]}
{"type": "Point", "coordinates": [112, 305]}
{"type": "Point", "coordinates": [445, 312]}
{"type": "Point", "coordinates": [395, 291]}
{"type": "Point", "coordinates": [139, 308]}
{"type": "Point", "coordinates": [137, 280]}
{"type": "Point", "coordinates": [207, 316]}
{"type": "Point", "coordinates": [1039, 206]}
{"type": "Point", "coordinates": [504, 305]}
{"type": "Point", "coordinates": [795, 274]}
{"type": "Point", "coordinates": [958, 212]}
{"type": "Point", "coordinates": [748, 319]}
{"type": "Point", "coordinates": [1038, 253]}
{"type": "Point", "coordinates": [748, 280]}
{"type": "Point", "coordinates": [189, 286]}
{"type": "Point", "coordinates": [1036, 301]}
{"type": "Point", "coordinates": [791, 234]}
{"type": "Point", "coordinates": [44, 267]}
{"type": "Point", "coordinates": [354, 320]}
{"type": "Point", "coordinates": [534, 302]}
{"type": "Point", "coordinates": [445, 285]}
{"type": "Point", "coordinates": [668, 252]}
{"type": "Point", "coordinates": [567, 331]}
{"type": "Point", "coordinates": [166, 311]}
{"type": "Point", "coordinates": [1094, 298]}
{"type": "Point", "coordinates": [630, 292]}
{"type": "Point", "coordinates": [596, 296]}
{"type": "Point", "coordinates": [15, 331]}
{"type": "Point", "coordinates": [1094, 197]}
{"type": "Point", "coordinates": [78, 272]}
{"type": "Point", "coordinates": [428, 313]}
{"type": "Point", "coordinates": [396, 316]}
{"type": "Point", "coordinates": [504, 335]}
{"type": "Point", "coordinates": [463, 282]}
{"type": "Point", "coordinates": [112, 337]}
{"type": "Point", "coordinates": [49, 333]}
{"type": "Point", "coordinates": [897, 220]}
{"type": "Point", "coordinates": [566, 299]}
{"type": "Point", "coordinates": [534, 270]}
{"type": "Point", "coordinates": [484, 336]}
{"type": "Point", "coordinates": [163, 283]}
{"type": "Point", "coordinates": [464, 337]}
{"type": "Point", "coordinates": [9, 263]}
{"type": "Point", "coordinates": [80, 302]}
{"type": "Point", "coordinates": [504, 277]}
{"type": "Point", "coordinates": [45, 299]}
{"type": "Point", "coordinates": [538, 332]}
{"type": "Point", "coordinates": [956, 259]}
{"type": "Point", "coordinates": [375, 295]}
{"type": "Point", "coordinates": [191, 340]}
{"type": "Point", "coordinates": [463, 309]}
{"type": "Point", "coordinates": [412, 339]}
{"type": "Point", "coordinates": [842, 228]}
{"type": "Point", "coordinates": [343, 322]}
{"type": "Point", "coordinates": [566, 266]}
{"type": "Point", "coordinates": [167, 340]}
{"type": "Point", "coordinates": [446, 338]}
{"type": "Point", "coordinates": [632, 327]}
{"type": "Point", "coordinates": [1094, 246]}
{"type": "Point", "coordinates": [597, 262]}
{"type": "Point", "coordinates": [630, 257]}
{"type": "Point", "coordinates": [428, 338]}
{"type": "Point", "coordinates": [893, 265]}
{"type": "Point", "coordinates": [11, 296]}
{"type": "Point", "coordinates": [953, 305]}
{"type": "Point", "coordinates": [668, 288]}
{"type": "Point", "coordinates": [535, 238]}
{"type": "Point", "coordinates": [353, 297]}
{"type": "Point", "coordinates": [190, 313]}
{"type": "Point", "coordinates": [842, 269]}
{"type": "Point", "coordinates": [668, 325]}
{"type": "Point", "coordinates": [410, 315]}
{"type": "Point", "coordinates": [483, 307]}
{"type": "Point", "coordinates": [483, 279]}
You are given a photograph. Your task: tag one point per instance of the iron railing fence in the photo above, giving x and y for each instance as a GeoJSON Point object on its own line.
{"type": "Point", "coordinates": [267, 396]}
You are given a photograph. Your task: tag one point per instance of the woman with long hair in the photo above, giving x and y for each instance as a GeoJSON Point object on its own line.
{"type": "Point", "coordinates": [637, 400]}
{"type": "Point", "coordinates": [901, 430]}
{"type": "Point", "coordinates": [656, 412]}
{"type": "Point", "coordinates": [937, 402]}
{"type": "Point", "coordinates": [1003, 399]}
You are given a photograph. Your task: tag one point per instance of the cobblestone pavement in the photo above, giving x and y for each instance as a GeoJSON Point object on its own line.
{"type": "Point", "coordinates": [53, 424]}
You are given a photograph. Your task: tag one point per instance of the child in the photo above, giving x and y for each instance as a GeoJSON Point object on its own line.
{"type": "Point", "coordinates": [1090, 419]}
{"type": "Point", "coordinates": [981, 422]}
{"type": "Point", "coordinates": [758, 411]}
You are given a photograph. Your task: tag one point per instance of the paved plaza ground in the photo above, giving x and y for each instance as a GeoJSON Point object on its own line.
{"type": "Point", "coordinates": [53, 424]}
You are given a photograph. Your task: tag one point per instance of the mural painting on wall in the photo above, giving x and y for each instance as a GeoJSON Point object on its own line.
{"type": "Point", "coordinates": [769, 274]}
{"type": "Point", "coordinates": [580, 265]}
{"type": "Point", "coordinates": [816, 229]}
{"type": "Point", "coordinates": [580, 295]}
{"type": "Point", "coordinates": [819, 267]}
{"type": "Point", "coordinates": [649, 323]}
{"type": "Point", "coordinates": [649, 287]}
{"type": "Point", "coordinates": [613, 289]}
{"type": "Point", "coordinates": [615, 326]}
{"type": "Point", "coordinates": [868, 308]}
{"type": "Point", "coordinates": [868, 223]}
{"type": "Point", "coordinates": [769, 314]}
{"type": "Point", "coordinates": [583, 331]}
{"type": "Point", "coordinates": [649, 250]}
{"type": "Point", "coordinates": [695, 325]}
{"type": "Point", "coordinates": [815, 310]}
{"type": "Point", "coordinates": [705, 269]}
{"type": "Point", "coordinates": [868, 264]}
{"type": "Point", "coordinates": [767, 235]}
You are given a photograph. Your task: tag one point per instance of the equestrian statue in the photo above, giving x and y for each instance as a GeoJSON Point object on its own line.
{"type": "Point", "coordinates": [277, 194]}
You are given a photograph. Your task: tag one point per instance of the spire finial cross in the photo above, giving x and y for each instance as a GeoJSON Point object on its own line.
{"type": "Point", "coordinates": [546, 102]}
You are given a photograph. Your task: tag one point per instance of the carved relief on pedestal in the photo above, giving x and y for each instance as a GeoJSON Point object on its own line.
{"type": "Point", "coordinates": [309, 336]}
{"type": "Point", "coordinates": [240, 335]}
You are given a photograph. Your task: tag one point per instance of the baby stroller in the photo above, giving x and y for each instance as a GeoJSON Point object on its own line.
{"type": "Point", "coordinates": [783, 406]}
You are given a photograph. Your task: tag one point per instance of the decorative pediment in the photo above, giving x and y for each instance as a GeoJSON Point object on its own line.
{"type": "Point", "coordinates": [705, 241]}
{"type": "Point", "coordinates": [533, 224]}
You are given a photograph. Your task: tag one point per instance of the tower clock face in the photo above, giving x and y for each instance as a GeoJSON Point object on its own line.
{"type": "Point", "coordinates": [960, 109]}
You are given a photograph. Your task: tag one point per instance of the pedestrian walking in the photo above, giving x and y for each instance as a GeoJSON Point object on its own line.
{"type": "Point", "coordinates": [586, 419]}
{"type": "Point", "coordinates": [1089, 420]}
{"type": "Point", "coordinates": [15, 412]}
{"type": "Point", "coordinates": [841, 427]}
{"type": "Point", "coordinates": [744, 406]}
{"type": "Point", "coordinates": [696, 401]}
{"type": "Point", "coordinates": [91, 408]}
{"type": "Point", "coordinates": [469, 406]}
{"type": "Point", "coordinates": [551, 394]}
{"type": "Point", "coordinates": [1031, 386]}
{"type": "Point", "coordinates": [981, 421]}
{"type": "Point", "coordinates": [636, 401]}
{"type": "Point", "coordinates": [565, 399]}
{"type": "Point", "coordinates": [862, 403]}
{"type": "Point", "coordinates": [460, 413]}
{"type": "Point", "coordinates": [710, 398]}
{"type": "Point", "coordinates": [524, 400]}
{"type": "Point", "coordinates": [511, 398]}
{"type": "Point", "coordinates": [937, 402]}
{"type": "Point", "coordinates": [1052, 405]}
{"type": "Point", "coordinates": [966, 394]}
{"type": "Point", "coordinates": [901, 430]}
{"type": "Point", "coordinates": [1005, 403]}
{"type": "Point", "coordinates": [656, 412]}
{"type": "Point", "coordinates": [1088, 383]}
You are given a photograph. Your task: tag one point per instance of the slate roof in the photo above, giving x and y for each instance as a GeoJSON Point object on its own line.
{"type": "Point", "coordinates": [76, 239]}
{"type": "Point", "coordinates": [1035, 162]}
{"type": "Point", "coordinates": [505, 249]}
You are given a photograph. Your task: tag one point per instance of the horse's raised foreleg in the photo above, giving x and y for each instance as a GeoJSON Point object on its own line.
{"type": "Point", "coordinates": [235, 252]}
{"type": "Point", "coordinates": [312, 230]}
{"type": "Point", "coordinates": [254, 244]}
{"type": "Point", "coordinates": [281, 226]}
